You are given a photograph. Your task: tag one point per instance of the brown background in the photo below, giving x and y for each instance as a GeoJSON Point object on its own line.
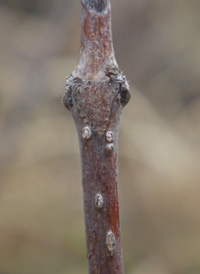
{"type": "Point", "coordinates": [157, 44]}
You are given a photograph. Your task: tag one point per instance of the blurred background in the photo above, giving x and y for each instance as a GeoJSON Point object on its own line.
{"type": "Point", "coordinates": [157, 45]}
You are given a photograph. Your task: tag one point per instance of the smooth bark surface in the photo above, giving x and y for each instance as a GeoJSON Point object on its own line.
{"type": "Point", "coordinates": [96, 93]}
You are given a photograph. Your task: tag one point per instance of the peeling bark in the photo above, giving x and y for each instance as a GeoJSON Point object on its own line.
{"type": "Point", "coordinates": [96, 93]}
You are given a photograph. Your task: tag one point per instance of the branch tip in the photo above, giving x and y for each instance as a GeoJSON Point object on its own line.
{"type": "Point", "coordinates": [95, 5]}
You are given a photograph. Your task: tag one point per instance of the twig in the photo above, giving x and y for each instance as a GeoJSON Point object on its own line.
{"type": "Point", "coordinates": [96, 93]}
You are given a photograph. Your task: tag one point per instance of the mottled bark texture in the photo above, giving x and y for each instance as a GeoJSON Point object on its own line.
{"type": "Point", "coordinates": [96, 93]}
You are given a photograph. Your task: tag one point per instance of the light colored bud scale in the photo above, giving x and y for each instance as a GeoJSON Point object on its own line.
{"type": "Point", "coordinates": [111, 242]}
{"type": "Point", "coordinates": [86, 133]}
{"type": "Point", "coordinates": [99, 201]}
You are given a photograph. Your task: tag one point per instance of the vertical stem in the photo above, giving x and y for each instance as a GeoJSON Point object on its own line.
{"type": "Point", "coordinates": [96, 93]}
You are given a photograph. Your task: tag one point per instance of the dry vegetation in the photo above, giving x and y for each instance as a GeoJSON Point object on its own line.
{"type": "Point", "coordinates": [41, 219]}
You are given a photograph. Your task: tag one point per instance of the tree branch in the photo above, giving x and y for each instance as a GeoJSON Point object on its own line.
{"type": "Point", "coordinates": [96, 93]}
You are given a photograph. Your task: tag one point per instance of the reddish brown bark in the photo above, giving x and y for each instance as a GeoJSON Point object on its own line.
{"type": "Point", "coordinates": [96, 93]}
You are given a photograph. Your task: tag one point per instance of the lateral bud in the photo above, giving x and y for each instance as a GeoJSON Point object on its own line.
{"type": "Point", "coordinates": [110, 148]}
{"type": "Point", "coordinates": [124, 94]}
{"type": "Point", "coordinates": [99, 201]}
{"type": "Point", "coordinates": [111, 242]}
{"type": "Point", "coordinates": [86, 132]}
{"type": "Point", "coordinates": [109, 136]}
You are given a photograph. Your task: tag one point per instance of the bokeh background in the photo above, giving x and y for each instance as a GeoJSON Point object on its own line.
{"type": "Point", "coordinates": [157, 44]}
